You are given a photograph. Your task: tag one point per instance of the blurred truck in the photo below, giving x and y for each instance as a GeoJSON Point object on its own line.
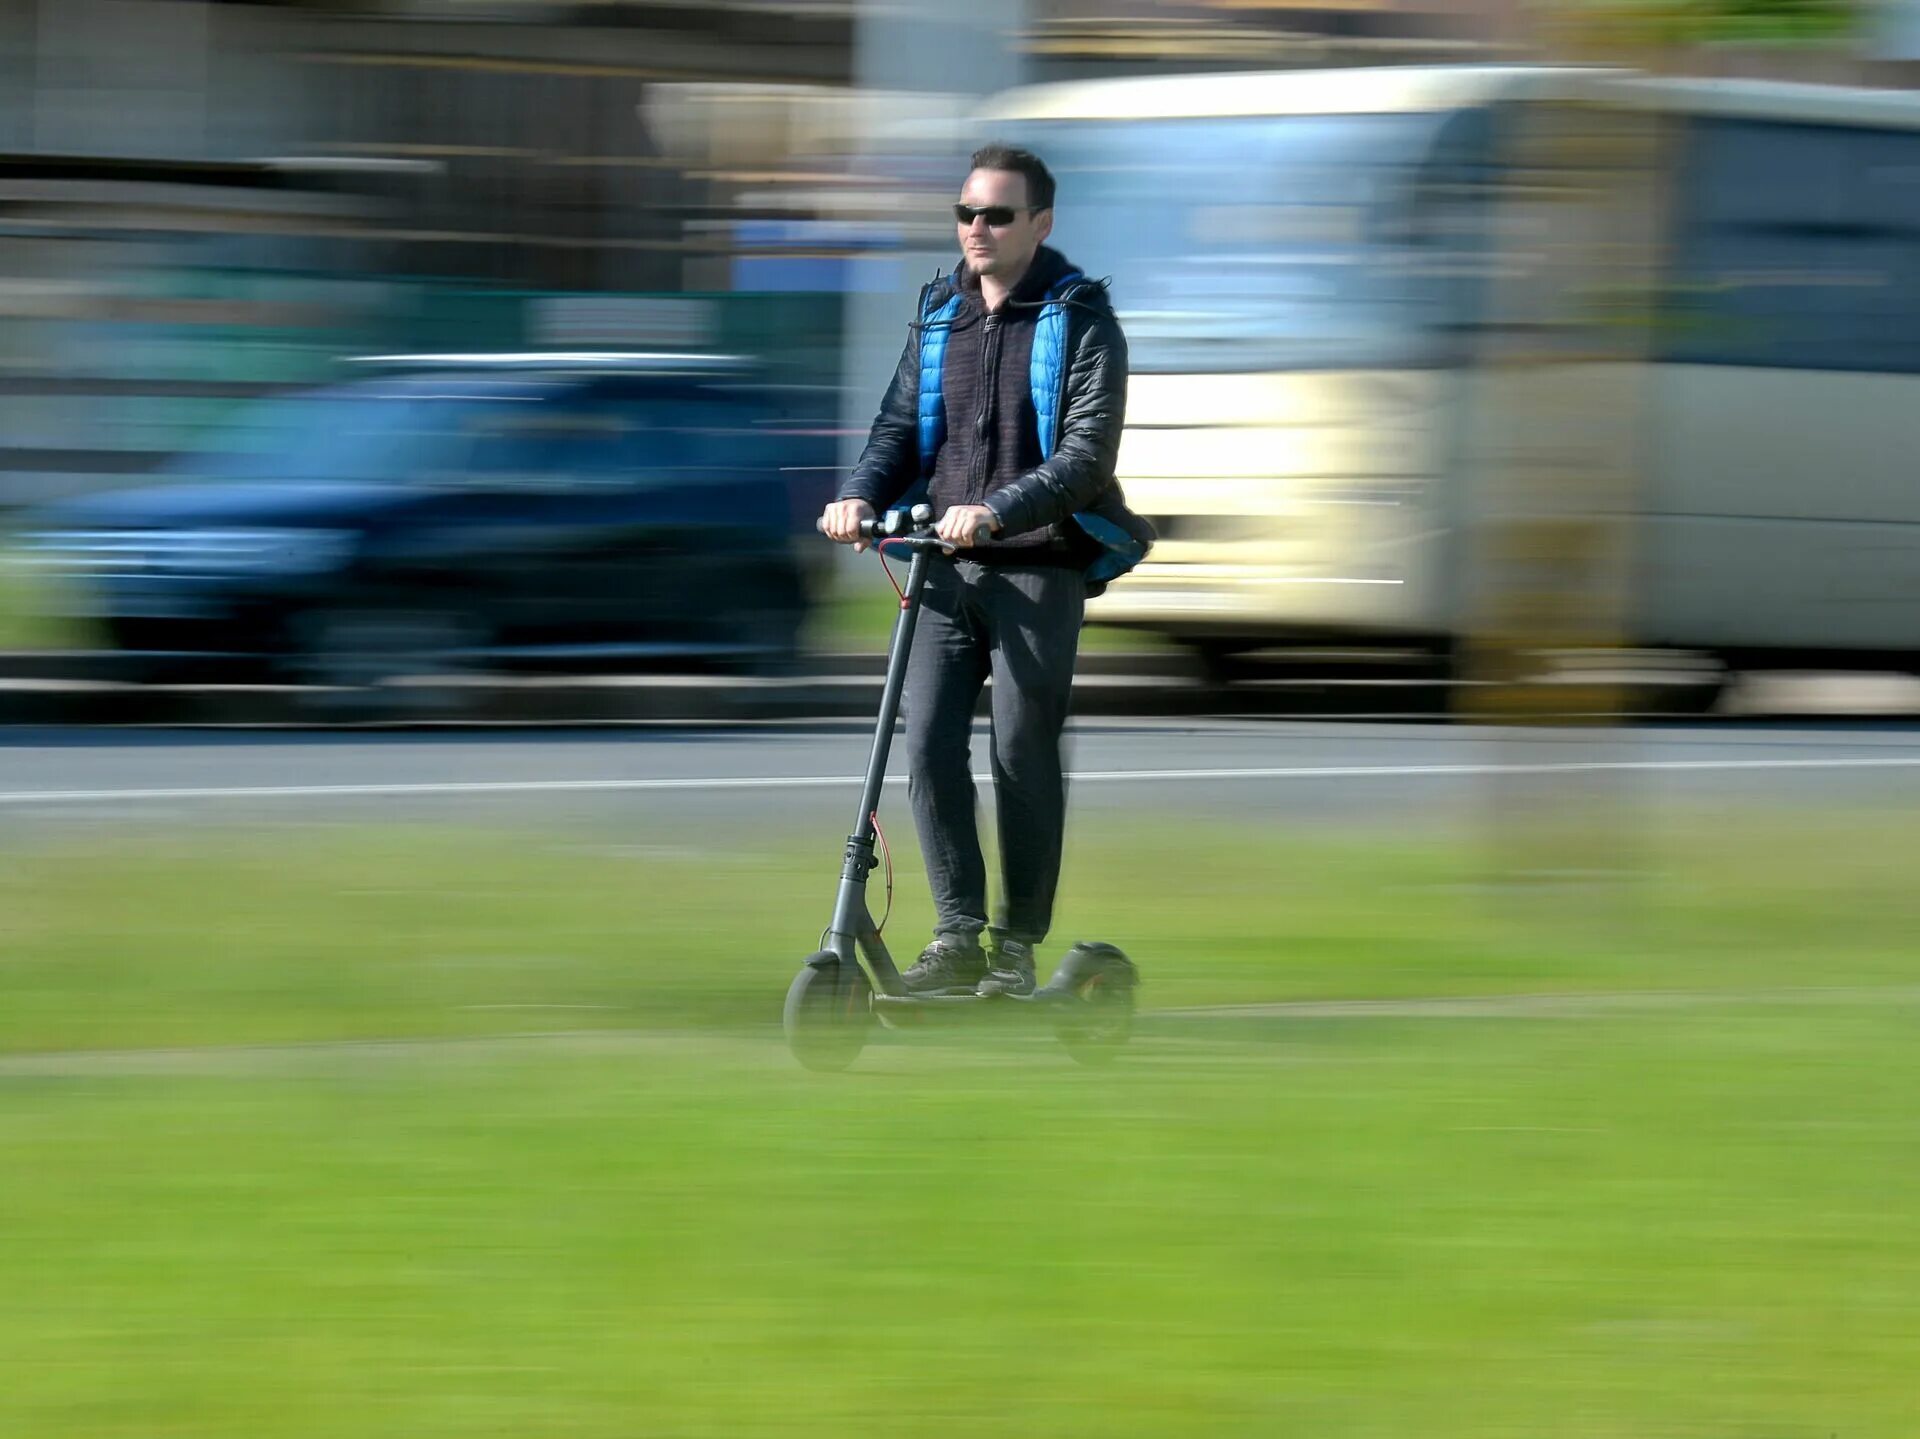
{"type": "Point", "coordinates": [1508, 356]}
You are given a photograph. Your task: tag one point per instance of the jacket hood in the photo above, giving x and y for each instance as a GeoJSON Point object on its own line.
{"type": "Point", "coordinates": [1049, 267]}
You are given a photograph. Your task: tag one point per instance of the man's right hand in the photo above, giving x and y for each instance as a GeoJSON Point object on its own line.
{"type": "Point", "coordinates": [841, 522]}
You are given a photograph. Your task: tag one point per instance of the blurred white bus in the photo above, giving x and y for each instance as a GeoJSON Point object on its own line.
{"type": "Point", "coordinates": [1425, 355]}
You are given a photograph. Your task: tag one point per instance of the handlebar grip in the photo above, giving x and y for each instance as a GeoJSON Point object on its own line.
{"type": "Point", "coordinates": [869, 528]}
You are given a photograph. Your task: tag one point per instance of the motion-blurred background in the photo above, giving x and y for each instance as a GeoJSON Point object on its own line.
{"type": "Point", "coordinates": [1517, 1055]}
{"type": "Point", "coordinates": [343, 341]}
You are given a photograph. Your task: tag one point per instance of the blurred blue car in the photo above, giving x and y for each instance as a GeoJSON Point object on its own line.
{"type": "Point", "coordinates": [587, 512]}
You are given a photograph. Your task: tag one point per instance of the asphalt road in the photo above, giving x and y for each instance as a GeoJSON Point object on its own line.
{"type": "Point", "coordinates": [805, 776]}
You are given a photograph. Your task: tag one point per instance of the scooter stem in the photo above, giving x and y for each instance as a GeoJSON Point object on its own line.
{"type": "Point", "coordinates": [890, 694]}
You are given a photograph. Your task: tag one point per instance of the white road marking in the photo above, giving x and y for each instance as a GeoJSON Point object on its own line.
{"type": "Point", "coordinates": [837, 781]}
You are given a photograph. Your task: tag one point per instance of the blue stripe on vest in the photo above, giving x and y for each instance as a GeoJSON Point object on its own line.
{"type": "Point", "coordinates": [1047, 376]}
{"type": "Point", "coordinates": [1047, 370]}
{"type": "Point", "coordinates": [933, 358]}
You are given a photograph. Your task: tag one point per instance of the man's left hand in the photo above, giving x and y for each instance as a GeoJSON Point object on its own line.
{"type": "Point", "coordinates": [965, 526]}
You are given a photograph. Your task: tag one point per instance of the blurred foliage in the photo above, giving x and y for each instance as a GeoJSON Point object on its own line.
{"type": "Point", "coordinates": [1623, 29]}
{"type": "Point", "coordinates": [33, 614]}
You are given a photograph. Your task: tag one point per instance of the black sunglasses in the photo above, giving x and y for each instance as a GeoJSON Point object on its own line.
{"type": "Point", "coordinates": [997, 216]}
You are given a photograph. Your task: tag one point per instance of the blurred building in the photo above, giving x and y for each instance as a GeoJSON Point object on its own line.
{"type": "Point", "coordinates": [201, 202]}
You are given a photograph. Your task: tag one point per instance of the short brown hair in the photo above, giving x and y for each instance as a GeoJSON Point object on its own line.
{"type": "Point", "coordinates": [1021, 162]}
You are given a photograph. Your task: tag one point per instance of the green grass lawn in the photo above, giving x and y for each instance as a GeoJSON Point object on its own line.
{"type": "Point", "coordinates": [1684, 1220]}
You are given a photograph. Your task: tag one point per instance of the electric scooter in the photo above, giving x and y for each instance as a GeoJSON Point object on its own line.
{"type": "Point", "coordinates": [834, 1002]}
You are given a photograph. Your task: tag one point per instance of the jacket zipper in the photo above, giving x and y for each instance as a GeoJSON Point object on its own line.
{"type": "Point", "coordinates": [989, 400]}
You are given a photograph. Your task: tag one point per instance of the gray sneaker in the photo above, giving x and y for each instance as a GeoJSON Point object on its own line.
{"type": "Point", "coordinates": [952, 961]}
{"type": "Point", "coordinates": [1012, 972]}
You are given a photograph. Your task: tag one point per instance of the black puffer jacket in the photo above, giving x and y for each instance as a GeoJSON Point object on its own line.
{"type": "Point", "coordinates": [987, 459]}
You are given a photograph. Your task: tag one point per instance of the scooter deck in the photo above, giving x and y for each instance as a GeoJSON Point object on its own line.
{"type": "Point", "coordinates": [949, 998]}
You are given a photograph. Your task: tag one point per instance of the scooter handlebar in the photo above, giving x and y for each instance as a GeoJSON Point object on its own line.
{"type": "Point", "coordinates": [893, 525]}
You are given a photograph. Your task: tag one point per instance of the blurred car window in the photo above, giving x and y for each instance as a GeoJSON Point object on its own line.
{"type": "Point", "coordinates": [512, 434]}
{"type": "Point", "coordinates": [1799, 248]}
{"type": "Point", "coordinates": [1264, 241]}
{"type": "Point", "coordinates": [343, 433]}
{"type": "Point", "coordinates": [549, 447]}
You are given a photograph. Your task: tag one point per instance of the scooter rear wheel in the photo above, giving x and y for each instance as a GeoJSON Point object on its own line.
{"type": "Point", "coordinates": [829, 1013]}
{"type": "Point", "coordinates": [1096, 1022]}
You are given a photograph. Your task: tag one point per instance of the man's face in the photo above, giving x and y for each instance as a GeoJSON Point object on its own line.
{"type": "Point", "coordinates": [1002, 251]}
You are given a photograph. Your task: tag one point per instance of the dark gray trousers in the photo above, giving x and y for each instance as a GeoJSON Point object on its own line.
{"type": "Point", "coordinates": [1021, 625]}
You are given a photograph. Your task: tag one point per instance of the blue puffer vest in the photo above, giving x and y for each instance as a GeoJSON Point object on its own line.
{"type": "Point", "coordinates": [1047, 378]}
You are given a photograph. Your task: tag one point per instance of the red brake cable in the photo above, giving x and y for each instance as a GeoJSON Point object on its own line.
{"type": "Point", "coordinates": [880, 550]}
{"type": "Point", "coordinates": [887, 853]}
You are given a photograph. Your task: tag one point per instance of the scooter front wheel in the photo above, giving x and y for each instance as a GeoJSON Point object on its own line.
{"type": "Point", "coordinates": [829, 1013]}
